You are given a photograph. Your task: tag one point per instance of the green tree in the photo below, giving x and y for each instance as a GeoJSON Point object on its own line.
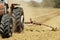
{"type": "Point", "coordinates": [51, 3]}
{"type": "Point", "coordinates": [57, 3]}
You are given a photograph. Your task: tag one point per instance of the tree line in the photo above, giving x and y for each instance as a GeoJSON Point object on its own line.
{"type": "Point", "coordinates": [46, 3]}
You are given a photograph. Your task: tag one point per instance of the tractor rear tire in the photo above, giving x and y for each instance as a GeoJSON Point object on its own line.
{"type": "Point", "coordinates": [5, 26]}
{"type": "Point", "coordinates": [16, 16]}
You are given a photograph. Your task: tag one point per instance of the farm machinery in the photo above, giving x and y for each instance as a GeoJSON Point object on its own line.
{"type": "Point", "coordinates": [11, 21]}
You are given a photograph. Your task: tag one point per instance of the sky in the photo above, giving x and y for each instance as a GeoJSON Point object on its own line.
{"type": "Point", "coordinates": [33, 0]}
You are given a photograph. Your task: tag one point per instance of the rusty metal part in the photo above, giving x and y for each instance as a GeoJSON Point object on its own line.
{"type": "Point", "coordinates": [2, 8]}
{"type": "Point", "coordinates": [12, 6]}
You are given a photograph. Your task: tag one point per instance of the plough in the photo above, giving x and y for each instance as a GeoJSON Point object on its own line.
{"type": "Point", "coordinates": [36, 23]}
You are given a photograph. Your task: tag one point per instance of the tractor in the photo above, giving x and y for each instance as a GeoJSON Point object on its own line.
{"type": "Point", "coordinates": [12, 21]}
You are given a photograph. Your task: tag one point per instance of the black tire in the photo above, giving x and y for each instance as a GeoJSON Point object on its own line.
{"type": "Point", "coordinates": [5, 26]}
{"type": "Point", "coordinates": [16, 16]}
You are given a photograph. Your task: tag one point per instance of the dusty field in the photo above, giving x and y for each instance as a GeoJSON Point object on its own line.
{"type": "Point", "coordinates": [49, 16]}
